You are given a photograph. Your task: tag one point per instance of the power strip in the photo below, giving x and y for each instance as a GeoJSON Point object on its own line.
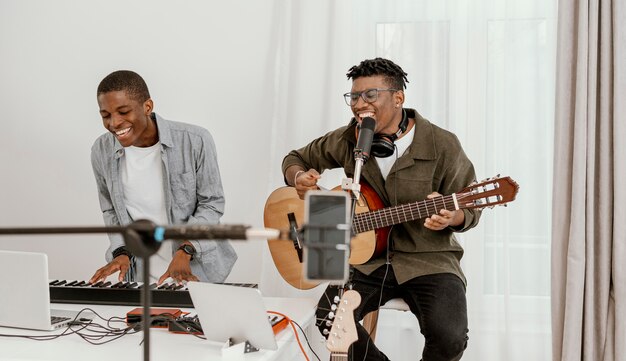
{"type": "Point", "coordinates": [191, 324]}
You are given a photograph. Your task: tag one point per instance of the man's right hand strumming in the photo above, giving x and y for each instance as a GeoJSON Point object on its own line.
{"type": "Point", "coordinates": [303, 180]}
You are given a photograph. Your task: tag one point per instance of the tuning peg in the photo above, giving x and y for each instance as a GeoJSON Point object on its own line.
{"type": "Point", "coordinates": [331, 315]}
{"type": "Point", "coordinates": [333, 307]}
{"type": "Point", "coordinates": [336, 299]}
{"type": "Point", "coordinates": [325, 332]}
{"type": "Point", "coordinates": [329, 323]}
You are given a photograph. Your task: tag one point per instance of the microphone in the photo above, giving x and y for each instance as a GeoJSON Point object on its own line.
{"type": "Point", "coordinates": [364, 142]}
{"type": "Point", "coordinates": [362, 152]}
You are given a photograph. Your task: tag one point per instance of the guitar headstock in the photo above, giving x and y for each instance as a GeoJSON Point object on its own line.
{"type": "Point", "coordinates": [343, 331]}
{"type": "Point", "coordinates": [488, 193]}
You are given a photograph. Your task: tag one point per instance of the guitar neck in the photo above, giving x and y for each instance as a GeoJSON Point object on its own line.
{"type": "Point", "coordinates": [338, 356]}
{"type": "Point", "coordinates": [386, 217]}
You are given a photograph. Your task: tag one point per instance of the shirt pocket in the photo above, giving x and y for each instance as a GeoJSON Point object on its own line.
{"type": "Point", "coordinates": [184, 189]}
{"type": "Point", "coordinates": [409, 190]}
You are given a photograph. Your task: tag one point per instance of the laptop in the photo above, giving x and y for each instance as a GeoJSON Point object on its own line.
{"type": "Point", "coordinates": [25, 299]}
{"type": "Point", "coordinates": [232, 313]}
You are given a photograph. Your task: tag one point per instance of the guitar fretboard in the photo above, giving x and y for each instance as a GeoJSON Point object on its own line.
{"type": "Point", "coordinates": [386, 217]}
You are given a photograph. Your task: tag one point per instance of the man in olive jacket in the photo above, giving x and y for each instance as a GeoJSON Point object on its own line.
{"type": "Point", "coordinates": [413, 160]}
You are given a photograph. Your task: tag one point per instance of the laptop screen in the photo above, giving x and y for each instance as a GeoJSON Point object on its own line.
{"type": "Point", "coordinates": [25, 301]}
{"type": "Point", "coordinates": [232, 313]}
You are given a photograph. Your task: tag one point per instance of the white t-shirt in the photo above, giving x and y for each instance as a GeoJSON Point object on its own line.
{"type": "Point", "coordinates": [402, 144]}
{"type": "Point", "coordinates": [144, 195]}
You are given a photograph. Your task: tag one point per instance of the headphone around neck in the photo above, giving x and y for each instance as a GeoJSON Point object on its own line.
{"type": "Point", "coordinates": [382, 144]}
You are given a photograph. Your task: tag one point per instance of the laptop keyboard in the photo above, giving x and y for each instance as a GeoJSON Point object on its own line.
{"type": "Point", "coordinates": [56, 319]}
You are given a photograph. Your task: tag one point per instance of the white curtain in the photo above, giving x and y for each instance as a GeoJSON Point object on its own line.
{"type": "Point", "coordinates": [482, 69]}
{"type": "Point", "coordinates": [589, 234]}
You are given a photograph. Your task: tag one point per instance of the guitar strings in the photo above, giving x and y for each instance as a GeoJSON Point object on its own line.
{"type": "Point", "coordinates": [320, 321]}
{"type": "Point", "coordinates": [385, 217]}
{"type": "Point", "coordinates": [398, 214]}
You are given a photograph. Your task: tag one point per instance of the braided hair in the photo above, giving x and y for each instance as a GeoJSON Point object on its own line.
{"type": "Point", "coordinates": [128, 81]}
{"type": "Point", "coordinates": [393, 73]}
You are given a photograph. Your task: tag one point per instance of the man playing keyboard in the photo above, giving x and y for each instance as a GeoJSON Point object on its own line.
{"type": "Point", "coordinates": [147, 167]}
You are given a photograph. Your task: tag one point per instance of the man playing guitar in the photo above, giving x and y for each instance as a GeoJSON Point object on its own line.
{"type": "Point", "coordinates": [413, 159]}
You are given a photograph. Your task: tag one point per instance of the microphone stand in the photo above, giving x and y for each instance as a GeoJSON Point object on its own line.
{"type": "Point", "coordinates": [353, 185]}
{"type": "Point", "coordinates": [358, 164]}
{"type": "Point", "coordinates": [139, 239]}
{"type": "Point", "coordinates": [142, 238]}
{"type": "Point", "coordinates": [361, 154]}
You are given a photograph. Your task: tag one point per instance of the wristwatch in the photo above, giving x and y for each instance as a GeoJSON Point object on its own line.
{"type": "Point", "coordinates": [189, 249]}
{"type": "Point", "coordinates": [122, 251]}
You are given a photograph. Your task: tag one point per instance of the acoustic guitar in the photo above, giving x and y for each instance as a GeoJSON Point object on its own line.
{"type": "Point", "coordinates": [372, 220]}
{"type": "Point", "coordinates": [343, 330]}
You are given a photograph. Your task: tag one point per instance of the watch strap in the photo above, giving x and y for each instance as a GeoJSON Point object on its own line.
{"type": "Point", "coordinates": [189, 249]}
{"type": "Point", "coordinates": [121, 251]}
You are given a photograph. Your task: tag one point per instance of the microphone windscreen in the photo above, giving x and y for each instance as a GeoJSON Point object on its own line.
{"type": "Point", "coordinates": [366, 135]}
{"type": "Point", "coordinates": [368, 123]}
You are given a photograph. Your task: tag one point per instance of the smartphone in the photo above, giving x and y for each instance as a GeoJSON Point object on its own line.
{"type": "Point", "coordinates": [326, 236]}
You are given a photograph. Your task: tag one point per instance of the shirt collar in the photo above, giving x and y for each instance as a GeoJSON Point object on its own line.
{"type": "Point", "coordinates": [423, 145]}
{"type": "Point", "coordinates": [165, 134]}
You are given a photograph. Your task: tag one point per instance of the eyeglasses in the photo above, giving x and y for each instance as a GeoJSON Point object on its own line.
{"type": "Point", "coordinates": [368, 96]}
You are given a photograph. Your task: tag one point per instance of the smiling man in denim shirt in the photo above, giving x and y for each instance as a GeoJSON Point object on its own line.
{"type": "Point", "coordinates": [147, 167]}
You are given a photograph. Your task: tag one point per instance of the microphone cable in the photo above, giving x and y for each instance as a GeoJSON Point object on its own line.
{"type": "Point", "coordinates": [295, 332]}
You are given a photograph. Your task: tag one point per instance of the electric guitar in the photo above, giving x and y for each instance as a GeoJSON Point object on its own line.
{"type": "Point", "coordinates": [372, 220]}
{"type": "Point", "coordinates": [343, 331]}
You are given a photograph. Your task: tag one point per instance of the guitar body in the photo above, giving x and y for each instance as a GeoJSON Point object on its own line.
{"type": "Point", "coordinates": [363, 247]}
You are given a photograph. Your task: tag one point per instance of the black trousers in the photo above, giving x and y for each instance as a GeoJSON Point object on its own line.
{"type": "Point", "coordinates": [438, 301]}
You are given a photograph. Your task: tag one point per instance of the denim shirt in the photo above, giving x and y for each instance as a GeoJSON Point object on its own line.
{"type": "Point", "coordinates": [193, 191]}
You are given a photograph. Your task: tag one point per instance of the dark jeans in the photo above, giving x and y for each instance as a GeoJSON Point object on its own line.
{"type": "Point", "coordinates": [438, 301]}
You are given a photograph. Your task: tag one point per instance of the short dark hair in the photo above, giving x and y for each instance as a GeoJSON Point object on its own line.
{"type": "Point", "coordinates": [126, 80]}
{"type": "Point", "coordinates": [395, 76]}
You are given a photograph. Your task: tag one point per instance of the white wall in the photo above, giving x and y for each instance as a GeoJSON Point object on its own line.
{"type": "Point", "coordinates": [205, 63]}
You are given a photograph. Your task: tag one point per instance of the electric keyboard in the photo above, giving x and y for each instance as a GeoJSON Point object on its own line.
{"type": "Point", "coordinates": [123, 293]}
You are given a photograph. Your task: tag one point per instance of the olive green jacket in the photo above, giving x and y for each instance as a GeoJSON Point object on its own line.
{"type": "Point", "coordinates": [434, 162]}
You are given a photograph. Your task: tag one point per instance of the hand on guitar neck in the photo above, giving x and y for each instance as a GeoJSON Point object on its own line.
{"type": "Point", "coordinates": [444, 218]}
